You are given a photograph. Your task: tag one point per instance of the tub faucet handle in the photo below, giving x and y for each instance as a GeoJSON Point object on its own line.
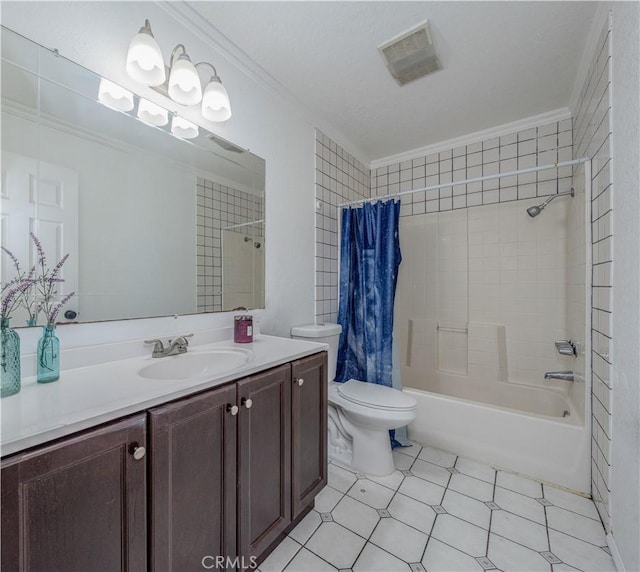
{"type": "Point", "coordinates": [563, 375]}
{"type": "Point", "coordinates": [566, 348]}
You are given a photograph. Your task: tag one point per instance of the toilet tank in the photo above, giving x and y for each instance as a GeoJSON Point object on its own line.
{"type": "Point", "coordinates": [323, 333]}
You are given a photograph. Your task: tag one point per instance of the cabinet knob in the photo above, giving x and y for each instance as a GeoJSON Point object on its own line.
{"type": "Point", "coordinates": [233, 409]}
{"type": "Point", "coordinates": [247, 402]}
{"type": "Point", "coordinates": [298, 380]}
{"type": "Point", "coordinates": [137, 451]}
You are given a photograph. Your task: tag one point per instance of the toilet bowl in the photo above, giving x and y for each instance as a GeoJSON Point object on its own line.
{"type": "Point", "coordinates": [363, 413]}
{"type": "Point", "coordinates": [360, 414]}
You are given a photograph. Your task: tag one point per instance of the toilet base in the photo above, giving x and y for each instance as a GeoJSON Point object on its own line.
{"type": "Point", "coordinates": [372, 453]}
{"type": "Point", "coordinates": [365, 451]}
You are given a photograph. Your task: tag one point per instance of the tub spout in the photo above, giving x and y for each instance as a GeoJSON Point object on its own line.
{"type": "Point", "coordinates": [564, 375]}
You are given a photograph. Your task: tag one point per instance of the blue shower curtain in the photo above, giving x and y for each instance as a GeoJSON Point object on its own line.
{"type": "Point", "coordinates": [369, 260]}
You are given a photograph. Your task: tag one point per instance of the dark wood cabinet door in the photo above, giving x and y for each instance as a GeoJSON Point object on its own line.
{"type": "Point", "coordinates": [264, 459]}
{"type": "Point", "coordinates": [193, 481]}
{"type": "Point", "coordinates": [308, 430]}
{"type": "Point", "coordinates": [78, 504]}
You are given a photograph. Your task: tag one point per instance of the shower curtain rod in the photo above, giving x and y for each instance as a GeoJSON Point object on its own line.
{"type": "Point", "coordinates": [241, 225]}
{"type": "Point", "coordinates": [474, 180]}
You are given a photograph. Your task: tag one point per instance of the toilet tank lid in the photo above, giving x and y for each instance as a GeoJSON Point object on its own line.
{"type": "Point", "coordinates": [316, 330]}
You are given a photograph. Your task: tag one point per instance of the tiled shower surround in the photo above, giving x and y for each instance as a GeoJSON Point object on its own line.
{"type": "Point", "coordinates": [482, 294]}
{"type": "Point", "coordinates": [219, 207]}
{"type": "Point", "coordinates": [592, 138]}
{"type": "Point", "coordinates": [340, 178]}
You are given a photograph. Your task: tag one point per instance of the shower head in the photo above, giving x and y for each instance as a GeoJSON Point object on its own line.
{"type": "Point", "coordinates": [537, 209]}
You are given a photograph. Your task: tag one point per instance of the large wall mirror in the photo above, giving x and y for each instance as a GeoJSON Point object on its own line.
{"type": "Point", "coordinates": [154, 224]}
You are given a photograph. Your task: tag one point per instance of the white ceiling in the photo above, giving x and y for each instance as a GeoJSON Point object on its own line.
{"type": "Point", "coordinates": [502, 61]}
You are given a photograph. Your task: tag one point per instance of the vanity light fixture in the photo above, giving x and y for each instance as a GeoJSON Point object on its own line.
{"type": "Point", "coordinates": [184, 81]}
{"type": "Point", "coordinates": [215, 100]}
{"type": "Point", "coordinates": [146, 65]}
{"type": "Point", "coordinates": [152, 114]}
{"type": "Point", "coordinates": [144, 58]}
{"type": "Point", "coordinates": [182, 128]}
{"type": "Point", "coordinates": [114, 96]}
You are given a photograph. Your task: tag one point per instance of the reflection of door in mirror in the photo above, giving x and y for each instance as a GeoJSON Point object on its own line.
{"type": "Point", "coordinates": [242, 270]}
{"type": "Point", "coordinates": [50, 210]}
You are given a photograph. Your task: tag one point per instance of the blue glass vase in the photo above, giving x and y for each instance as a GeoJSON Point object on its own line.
{"type": "Point", "coordinates": [9, 359]}
{"type": "Point", "coordinates": [48, 355]}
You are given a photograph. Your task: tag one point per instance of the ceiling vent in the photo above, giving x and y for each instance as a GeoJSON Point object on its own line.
{"type": "Point", "coordinates": [411, 54]}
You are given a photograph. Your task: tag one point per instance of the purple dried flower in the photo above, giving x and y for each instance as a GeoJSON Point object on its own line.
{"type": "Point", "coordinates": [41, 256]}
{"type": "Point", "coordinates": [12, 256]}
{"type": "Point", "coordinates": [9, 299]}
{"type": "Point", "coordinates": [11, 283]}
{"type": "Point", "coordinates": [54, 312]}
{"type": "Point", "coordinates": [57, 267]}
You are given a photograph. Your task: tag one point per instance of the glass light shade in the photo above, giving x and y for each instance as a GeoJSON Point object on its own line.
{"type": "Point", "coordinates": [152, 114]}
{"type": "Point", "coordinates": [184, 82]}
{"type": "Point", "coordinates": [144, 60]}
{"type": "Point", "coordinates": [114, 96]}
{"type": "Point", "coordinates": [215, 101]}
{"type": "Point", "coordinates": [184, 129]}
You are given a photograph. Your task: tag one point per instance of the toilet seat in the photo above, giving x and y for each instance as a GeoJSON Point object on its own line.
{"type": "Point", "coordinates": [375, 396]}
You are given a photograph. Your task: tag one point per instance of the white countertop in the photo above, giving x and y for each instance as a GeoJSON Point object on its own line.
{"type": "Point", "coordinates": [87, 396]}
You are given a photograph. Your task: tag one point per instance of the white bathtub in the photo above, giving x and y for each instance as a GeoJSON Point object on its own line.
{"type": "Point", "coordinates": [509, 426]}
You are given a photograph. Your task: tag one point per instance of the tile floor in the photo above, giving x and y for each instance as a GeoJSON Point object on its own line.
{"type": "Point", "coordinates": [440, 512]}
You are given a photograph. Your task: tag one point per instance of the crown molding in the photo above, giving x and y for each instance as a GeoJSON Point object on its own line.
{"type": "Point", "coordinates": [189, 17]}
{"type": "Point", "coordinates": [475, 137]}
{"type": "Point", "coordinates": [197, 25]}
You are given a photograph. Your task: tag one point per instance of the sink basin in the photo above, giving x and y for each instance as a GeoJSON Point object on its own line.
{"type": "Point", "coordinates": [197, 364]}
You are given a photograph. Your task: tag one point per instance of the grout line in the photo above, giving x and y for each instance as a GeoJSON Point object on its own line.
{"type": "Point", "coordinates": [493, 499]}
{"type": "Point", "coordinates": [546, 520]}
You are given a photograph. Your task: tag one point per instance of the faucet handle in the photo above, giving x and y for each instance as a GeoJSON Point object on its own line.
{"type": "Point", "coordinates": [566, 348]}
{"type": "Point", "coordinates": [158, 348]}
{"type": "Point", "coordinates": [183, 339]}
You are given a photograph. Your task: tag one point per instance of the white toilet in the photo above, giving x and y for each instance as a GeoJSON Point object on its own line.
{"type": "Point", "coordinates": [360, 414]}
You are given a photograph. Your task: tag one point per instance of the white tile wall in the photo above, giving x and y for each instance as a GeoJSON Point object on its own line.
{"type": "Point", "coordinates": [592, 138]}
{"type": "Point", "coordinates": [340, 178]}
{"type": "Point", "coordinates": [532, 147]}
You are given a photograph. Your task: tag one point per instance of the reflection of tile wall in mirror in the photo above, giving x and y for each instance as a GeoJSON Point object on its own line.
{"type": "Point", "coordinates": [136, 189]}
{"type": "Point", "coordinates": [221, 208]}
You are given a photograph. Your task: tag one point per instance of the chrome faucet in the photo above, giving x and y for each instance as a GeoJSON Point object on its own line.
{"type": "Point", "coordinates": [564, 375]}
{"type": "Point", "coordinates": [175, 347]}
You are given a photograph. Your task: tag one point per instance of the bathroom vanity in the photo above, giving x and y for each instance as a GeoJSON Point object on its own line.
{"type": "Point", "coordinates": [218, 469]}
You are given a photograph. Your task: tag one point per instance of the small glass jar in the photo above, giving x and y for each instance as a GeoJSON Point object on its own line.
{"type": "Point", "coordinates": [243, 329]}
